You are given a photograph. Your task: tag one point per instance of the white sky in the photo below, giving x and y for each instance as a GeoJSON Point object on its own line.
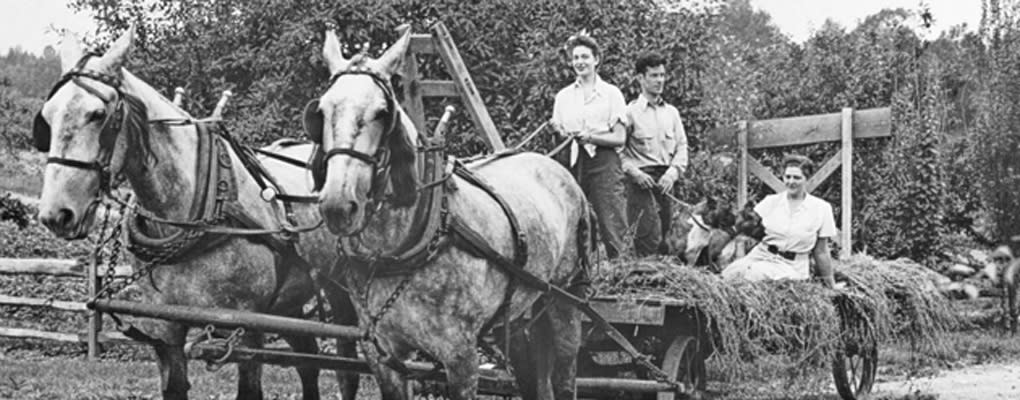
{"type": "Point", "coordinates": [798, 18]}
{"type": "Point", "coordinates": [27, 22]}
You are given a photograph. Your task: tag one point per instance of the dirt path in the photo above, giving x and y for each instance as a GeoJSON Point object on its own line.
{"type": "Point", "coordinates": [979, 382]}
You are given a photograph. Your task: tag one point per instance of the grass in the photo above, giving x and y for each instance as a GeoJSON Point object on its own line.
{"type": "Point", "coordinates": [80, 380]}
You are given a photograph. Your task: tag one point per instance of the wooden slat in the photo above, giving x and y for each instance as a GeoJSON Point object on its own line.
{"type": "Point", "coordinates": [422, 44]}
{"type": "Point", "coordinates": [20, 333]}
{"type": "Point", "coordinates": [871, 123]}
{"type": "Point", "coordinates": [413, 92]}
{"type": "Point", "coordinates": [755, 167]}
{"type": "Point", "coordinates": [466, 87]}
{"type": "Point", "coordinates": [847, 183]}
{"type": "Point", "coordinates": [630, 313]}
{"type": "Point", "coordinates": [825, 171]}
{"type": "Point", "coordinates": [33, 302]}
{"type": "Point", "coordinates": [54, 267]}
{"type": "Point", "coordinates": [438, 88]}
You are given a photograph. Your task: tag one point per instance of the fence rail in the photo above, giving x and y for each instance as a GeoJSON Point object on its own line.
{"type": "Point", "coordinates": [93, 335]}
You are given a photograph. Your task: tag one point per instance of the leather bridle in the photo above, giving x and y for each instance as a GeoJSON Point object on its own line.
{"type": "Point", "coordinates": [113, 123]}
{"type": "Point", "coordinates": [380, 161]}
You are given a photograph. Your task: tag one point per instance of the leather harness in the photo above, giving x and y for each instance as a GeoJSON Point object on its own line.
{"type": "Point", "coordinates": [215, 215]}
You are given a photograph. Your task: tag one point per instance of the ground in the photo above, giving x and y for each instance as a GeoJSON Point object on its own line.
{"type": "Point", "coordinates": [978, 382]}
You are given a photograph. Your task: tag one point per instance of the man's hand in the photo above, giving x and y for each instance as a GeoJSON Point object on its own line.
{"type": "Point", "coordinates": [667, 180]}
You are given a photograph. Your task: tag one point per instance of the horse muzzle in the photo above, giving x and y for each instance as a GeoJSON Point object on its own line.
{"type": "Point", "coordinates": [343, 215]}
{"type": "Point", "coordinates": [65, 223]}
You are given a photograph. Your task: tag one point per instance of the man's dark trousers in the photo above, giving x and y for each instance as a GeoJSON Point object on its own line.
{"type": "Point", "coordinates": [652, 213]}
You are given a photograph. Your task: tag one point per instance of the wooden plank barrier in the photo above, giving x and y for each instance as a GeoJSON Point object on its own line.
{"type": "Point", "coordinates": [842, 127]}
{"type": "Point", "coordinates": [53, 267]}
{"type": "Point", "coordinates": [93, 335]}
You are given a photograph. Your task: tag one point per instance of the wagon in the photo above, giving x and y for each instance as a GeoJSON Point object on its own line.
{"type": "Point", "coordinates": [679, 338]}
{"type": "Point", "coordinates": [676, 336]}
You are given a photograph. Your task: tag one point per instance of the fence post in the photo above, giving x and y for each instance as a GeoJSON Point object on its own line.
{"type": "Point", "coordinates": [847, 182]}
{"type": "Point", "coordinates": [742, 175]}
{"type": "Point", "coordinates": [95, 324]}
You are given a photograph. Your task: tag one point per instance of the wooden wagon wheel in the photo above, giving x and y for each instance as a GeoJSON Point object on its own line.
{"type": "Point", "coordinates": [685, 361]}
{"type": "Point", "coordinates": [854, 370]}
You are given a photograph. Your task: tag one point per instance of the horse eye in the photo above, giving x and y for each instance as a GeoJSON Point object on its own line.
{"type": "Point", "coordinates": [382, 115]}
{"type": "Point", "coordinates": [97, 116]}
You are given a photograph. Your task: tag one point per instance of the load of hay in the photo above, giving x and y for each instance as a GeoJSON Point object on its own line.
{"type": "Point", "coordinates": [800, 324]}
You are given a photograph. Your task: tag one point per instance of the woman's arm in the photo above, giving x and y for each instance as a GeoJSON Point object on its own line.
{"type": "Point", "coordinates": [823, 261]}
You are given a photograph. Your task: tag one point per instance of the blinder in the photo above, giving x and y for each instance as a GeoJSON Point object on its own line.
{"type": "Point", "coordinates": [41, 133]}
{"type": "Point", "coordinates": [313, 121]}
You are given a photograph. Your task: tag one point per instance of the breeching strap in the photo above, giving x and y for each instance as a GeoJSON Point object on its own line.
{"type": "Point", "coordinates": [477, 243]}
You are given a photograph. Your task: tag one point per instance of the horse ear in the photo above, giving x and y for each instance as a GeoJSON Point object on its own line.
{"type": "Point", "coordinates": [403, 163]}
{"type": "Point", "coordinates": [332, 53]}
{"type": "Point", "coordinates": [117, 54]}
{"type": "Point", "coordinates": [70, 51]}
{"type": "Point", "coordinates": [313, 122]}
{"type": "Point", "coordinates": [392, 60]}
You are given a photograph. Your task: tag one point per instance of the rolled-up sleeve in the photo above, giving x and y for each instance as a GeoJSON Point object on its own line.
{"type": "Point", "coordinates": [828, 228]}
{"type": "Point", "coordinates": [617, 109]}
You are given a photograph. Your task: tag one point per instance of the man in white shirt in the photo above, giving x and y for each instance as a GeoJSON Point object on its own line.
{"type": "Point", "coordinates": [654, 157]}
{"type": "Point", "coordinates": [798, 226]}
{"type": "Point", "coordinates": [592, 112]}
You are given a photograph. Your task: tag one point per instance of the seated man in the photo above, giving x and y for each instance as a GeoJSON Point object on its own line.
{"type": "Point", "coordinates": [797, 226]}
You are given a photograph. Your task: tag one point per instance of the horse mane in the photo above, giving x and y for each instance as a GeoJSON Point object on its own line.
{"type": "Point", "coordinates": [403, 162]}
{"type": "Point", "coordinates": [136, 126]}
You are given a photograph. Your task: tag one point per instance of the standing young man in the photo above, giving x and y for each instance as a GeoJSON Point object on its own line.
{"type": "Point", "coordinates": [654, 157]}
{"type": "Point", "coordinates": [592, 112]}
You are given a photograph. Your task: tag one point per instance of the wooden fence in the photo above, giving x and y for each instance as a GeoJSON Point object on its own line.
{"type": "Point", "coordinates": [94, 335]}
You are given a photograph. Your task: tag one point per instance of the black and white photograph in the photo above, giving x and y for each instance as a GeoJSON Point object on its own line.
{"type": "Point", "coordinates": [509, 199]}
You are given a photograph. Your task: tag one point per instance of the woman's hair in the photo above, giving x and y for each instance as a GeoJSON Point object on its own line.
{"type": "Point", "coordinates": [796, 160]}
{"type": "Point", "coordinates": [582, 39]}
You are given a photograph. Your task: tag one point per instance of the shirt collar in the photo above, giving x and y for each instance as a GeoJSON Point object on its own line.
{"type": "Point", "coordinates": [642, 101]}
{"type": "Point", "coordinates": [599, 84]}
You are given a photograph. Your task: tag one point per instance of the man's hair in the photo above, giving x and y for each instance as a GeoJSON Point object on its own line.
{"type": "Point", "coordinates": [796, 160]}
{"type": "Point", "coordinates": [582, 39]}
{"type": "Point", "coordinates": [648, 60]}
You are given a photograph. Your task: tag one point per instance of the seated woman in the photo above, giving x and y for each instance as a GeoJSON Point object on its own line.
{"type": "Point", "coordinates": [797, 226]}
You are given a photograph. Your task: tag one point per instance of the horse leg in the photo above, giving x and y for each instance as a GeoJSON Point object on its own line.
{"type": "Point", "coordinates": [462, 371]}
{"type": "Point", "coordinates": [249, 374]}
{"type": "Point", "coordinates": [565, 323]}
{"type": "Point", "coordinates": [345, 314]}
{"type": "Point", "coordinates": [309, 375]}
{"type": "Point", "coordinates": [173, 365]}
{"type": "Point", "coordinates": [522, 362]}
{"type": "Point", "coordinates": [392, 385]}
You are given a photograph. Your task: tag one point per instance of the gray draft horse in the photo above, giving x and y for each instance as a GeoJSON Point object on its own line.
{"type": "Point", "coordinates": [101, 122]}
{"type": "Point", "coordinates": [372, 199]}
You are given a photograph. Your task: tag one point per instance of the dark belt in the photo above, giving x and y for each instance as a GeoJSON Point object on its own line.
{"type": "Point", "coordinates": [789, 255]}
